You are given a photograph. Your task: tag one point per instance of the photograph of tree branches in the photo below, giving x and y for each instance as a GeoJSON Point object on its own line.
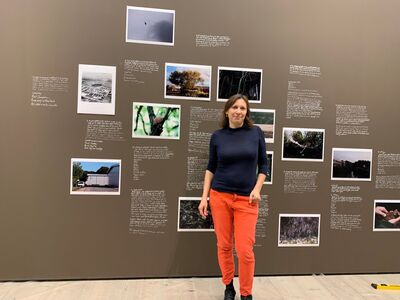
{"type": "Point", "coordinates": [303, 144]}
{"type": "Point", "coordinates": [244, 81]}
{"type": "Point", "coordinates": [151, 120]}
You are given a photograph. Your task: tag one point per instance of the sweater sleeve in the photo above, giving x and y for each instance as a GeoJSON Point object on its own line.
{"type": "Point", "coordinates": [262, 153]}
{"type": "Point", "coordinates": [212, 158]}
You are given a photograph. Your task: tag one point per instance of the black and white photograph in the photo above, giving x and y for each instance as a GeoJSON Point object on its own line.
{"type": "Point", "coordinates": [299, 230]}
{"type": "Point", "coordinates": [183, 81]}
{"type": "Point", "coordinates": [91, 176]}
{"type": "Point", "coordinates": [154, 120]}
{"type": "Point", "coordinates": [351, 164]}
{"type": "Point", "coordinates": [189, 218]}
{"type": "Point", "coordinates": [146, 25]}
{"type": "Point", "coordinates": [270, 159]}
{"type": "Point", "coordinates": [303, 144]}
{"type": "Point", "coordinates": [96, 90]}
{"type": "Point", "coordinates": [386, 215]}
{"type": "Point", "coordinates": [243, 81]}
{"type": "Point", "coordinates": [265, 119]}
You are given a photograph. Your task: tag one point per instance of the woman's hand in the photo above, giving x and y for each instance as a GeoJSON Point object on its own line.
{"type": "Point", "coordinates": [203, 207]}
{"type": "Point", "coordinates": [381, 210]}
{"type": "Point", "coordinates": [255, 196]}
{"type": "Point", "coordinates": [208, 177]}
{"type": "Point", "coordinates": [395, 221]}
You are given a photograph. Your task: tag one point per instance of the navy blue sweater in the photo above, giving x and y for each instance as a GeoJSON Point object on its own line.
{"type": "Point", "coordinates": [235, 154]}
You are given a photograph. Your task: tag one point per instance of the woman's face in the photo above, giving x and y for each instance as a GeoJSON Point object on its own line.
{"type": "Point", "coordinates": [237, 113]}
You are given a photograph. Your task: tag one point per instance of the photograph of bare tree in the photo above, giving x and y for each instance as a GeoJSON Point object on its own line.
{"type": "Point", "coordinates": [150, 25]}
{"type": "Point", "coordinates": [265, 119]}
{"type": "Point", "coordinates": [351, 164]}
{"type": "Point", "coordinates": [192, 82]}
{"type": "Point", "coordinates": [189, 218]}
{"type": "Point", "coordinates": [299, 230]}
{"type": "Point", "coordinates": [152, 120]}
{"type": "Point", "coordinates": [386, 215]}
{"type": "Point", "coordinates": [243, 81]}
{"type": "Point", "coordinates": [303, 144]}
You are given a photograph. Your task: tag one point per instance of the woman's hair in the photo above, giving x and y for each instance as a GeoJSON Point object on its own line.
{"type": "Point", "coordinates": [232, 100]}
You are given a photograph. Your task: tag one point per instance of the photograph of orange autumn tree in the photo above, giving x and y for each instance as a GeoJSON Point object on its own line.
{"type": "Point", "coordinates": [191, 82]}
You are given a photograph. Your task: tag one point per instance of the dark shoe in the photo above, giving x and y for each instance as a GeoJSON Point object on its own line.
{"type": "Point", "coordinates": [248, 297]}
{"type": "Point", "coordinates": [229, 293]}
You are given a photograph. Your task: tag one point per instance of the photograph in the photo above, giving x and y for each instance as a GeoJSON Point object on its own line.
{"type": "Point", "coordinates": [154, 120]}
{"type": "Point", "coordinates": [386, 215]}
{"type": "Point", "coordinates": [265, 119]}
{"type": "Point", "coordinates": [146, 25]}
{"type": "Point", "coordinates": [189, 218]}
{"type": "Point", "coordinates": [351, 164]}
{"type": "Point", "coordinates": [96, 90]}
{"type": "Point", "coordinates": [270, 158]}
{"type": "Point", "coordinates": [303, 144]}
{"type": "Point", "coordinates": [192, 82]}
{"type": "Point", "coordinates": [299, 230]}
{"type": "Point", "coordinates": [91, 176]}
{"type": "Point", "coordinates": [243, 81]}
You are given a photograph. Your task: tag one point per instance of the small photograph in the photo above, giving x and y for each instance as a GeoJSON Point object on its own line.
{"type": "Point", "coordinates": [95, 176]}
{"type": "Point", "coordinates": [189, 218]}
{"type": "Point", "coordinates": [150, 25]}
{"type": "Point", "coordinates": [351, 164]}
{"type": "Point", "coordinates": [158, 121]}
{"type": "Point", "coordinates": [96, 90]}
{"type": "Point", "coordinates": [270, 156]}
{"type": "Point", "coordinates": [192, 82]}
{"type": "Point", "coordinates": [265, 119]}
{"type": "Point", "coordinates": [303, 144]}
{"type": "Point", "coordinates": [386, 215]}
{"type": "Point", "coordinates": [243, 81]}
{"type": "Point", "coordinates": [299, 230]}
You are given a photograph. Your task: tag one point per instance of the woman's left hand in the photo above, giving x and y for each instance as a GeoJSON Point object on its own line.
{"type": "Point", "coordinates": [254, 196]}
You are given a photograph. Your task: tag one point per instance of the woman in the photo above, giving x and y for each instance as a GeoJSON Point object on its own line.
{"type": "Point", "coordinates": [237, 153]}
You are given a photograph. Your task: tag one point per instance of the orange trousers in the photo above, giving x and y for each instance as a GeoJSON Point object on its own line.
{"type": "Point", "coordinates": [235, 219]}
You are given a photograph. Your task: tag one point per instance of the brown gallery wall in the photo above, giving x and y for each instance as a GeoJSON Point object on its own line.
{"type": "Point", "coordinates": [107, 111]}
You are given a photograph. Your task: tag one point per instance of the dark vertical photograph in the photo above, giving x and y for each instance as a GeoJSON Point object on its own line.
{"type": "Point", "coordinates": [189, 218]}
{"type": "Point", "coordinates": [303, 144]}
{"type": "Point", "coordinates": [243, 81]}
{"type": "Point", "coordinates": [299, 230]}
{"type": "Point", "coordinates": [351, 164]}
{"type": "Point", "coordinates": [268, 179]}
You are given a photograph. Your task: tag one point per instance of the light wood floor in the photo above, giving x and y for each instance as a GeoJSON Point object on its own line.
{"type": "Point", "coordinates": [319, 287]}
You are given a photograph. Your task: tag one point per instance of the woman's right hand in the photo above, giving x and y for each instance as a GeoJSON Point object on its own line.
{"type": "Point", "coordinates": [203, 208]}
